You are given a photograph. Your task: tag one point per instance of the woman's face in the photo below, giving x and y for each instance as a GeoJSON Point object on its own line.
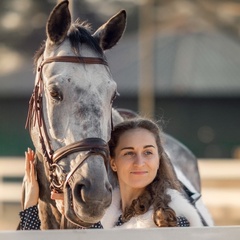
{"type": "Point", "coordinates": [136, 159]}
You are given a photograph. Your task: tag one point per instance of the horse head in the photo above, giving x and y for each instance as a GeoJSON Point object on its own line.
{"type": "Point", "coordinates": [70, 117]}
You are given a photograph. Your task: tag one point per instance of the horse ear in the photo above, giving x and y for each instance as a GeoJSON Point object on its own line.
{"type": "Point", "coordinates": [58, 23]}
{"type": "Point", "coordinates": [110, 32]}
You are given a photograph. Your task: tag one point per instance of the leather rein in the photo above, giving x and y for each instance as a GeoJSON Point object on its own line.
{"type": "Point", "coordinates": [90, 146]}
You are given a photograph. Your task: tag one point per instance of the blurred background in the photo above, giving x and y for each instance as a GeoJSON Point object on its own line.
{"type": "Point", "coordinates": [179, 61]}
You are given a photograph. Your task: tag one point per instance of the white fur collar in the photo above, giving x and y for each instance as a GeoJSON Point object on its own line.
{"type": "Point", "coordinates": [179, 204]}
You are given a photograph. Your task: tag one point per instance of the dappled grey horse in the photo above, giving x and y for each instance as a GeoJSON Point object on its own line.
{"type": "Point", "coordinates": [70, 118]}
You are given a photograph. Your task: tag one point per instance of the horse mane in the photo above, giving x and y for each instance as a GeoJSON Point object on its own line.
{"type": "Point", "coordinates": [80, 32]}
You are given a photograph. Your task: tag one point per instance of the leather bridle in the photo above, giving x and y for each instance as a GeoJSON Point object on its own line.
{"type": "Point", "coordinates": [88, 146]}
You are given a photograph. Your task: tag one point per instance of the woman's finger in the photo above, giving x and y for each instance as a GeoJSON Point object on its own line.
{"type": "Point", "coordinates": [29, 169]}
{"type": "Point", "coordinates": [30, 154]}
{"type": "Point", "coordinates": [56, 196]}
{"type": "Point", "coordinates": [31, 164]}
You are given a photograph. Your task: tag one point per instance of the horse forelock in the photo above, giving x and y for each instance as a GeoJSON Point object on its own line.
{"type": "Point", "coordinates": [79, 33]}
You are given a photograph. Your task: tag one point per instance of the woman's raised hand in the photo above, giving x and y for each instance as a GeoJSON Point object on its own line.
{"type": "Point", "coordinates": [30, 181]}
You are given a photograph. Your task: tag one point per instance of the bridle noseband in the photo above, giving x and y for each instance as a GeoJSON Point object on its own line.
{"type": "Point", "coordinates": [88, 146]}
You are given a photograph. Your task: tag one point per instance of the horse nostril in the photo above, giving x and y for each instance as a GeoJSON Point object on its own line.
{"type": "Point", "coordinates": [79, 193]}
{"type": "Point", "coordinates": [84, 193]}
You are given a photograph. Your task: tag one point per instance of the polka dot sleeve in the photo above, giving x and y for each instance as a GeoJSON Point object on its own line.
{"type": "Point", "coordinates": [97, 226]}
{"type": "Point", "coordinates": [182, 222]}
{"type": "Point", "coordinates": [29, 219]}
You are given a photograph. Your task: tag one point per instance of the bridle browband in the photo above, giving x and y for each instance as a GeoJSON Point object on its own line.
{"type": "Point", "coordinates": [74, 59]}
{"type": "Point", "coordinates": [90, 146]}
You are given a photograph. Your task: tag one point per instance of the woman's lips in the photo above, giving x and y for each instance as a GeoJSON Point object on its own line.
{"type": "Point", "coordinates": [138, 172]}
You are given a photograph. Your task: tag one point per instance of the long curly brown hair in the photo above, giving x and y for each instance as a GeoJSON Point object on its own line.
{"type": "Point", "coordinates": [155, 193]}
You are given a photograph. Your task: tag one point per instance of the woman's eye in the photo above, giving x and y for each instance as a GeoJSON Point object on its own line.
{"type": "Point", "coordinates": [128, 154]}
{"type": "Point", "coordinates": [148, 153]}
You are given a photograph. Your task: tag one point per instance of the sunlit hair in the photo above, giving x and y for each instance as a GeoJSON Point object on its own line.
{"type": "Point", "coordinates": [155, 193]}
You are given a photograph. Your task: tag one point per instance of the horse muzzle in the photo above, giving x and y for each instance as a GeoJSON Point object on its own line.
{"type": "Point", "coordinates": [83, 207]}
{"type": "Point", "coordinates": [86, 188]}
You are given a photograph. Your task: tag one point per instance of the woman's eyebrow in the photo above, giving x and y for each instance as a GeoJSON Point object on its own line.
{"type": "Point", "coordinates": [147, 146]}
{"type": "Point", "coordinates": [132, 148]}
{"type": "Point", "coordinates": [127, 148]}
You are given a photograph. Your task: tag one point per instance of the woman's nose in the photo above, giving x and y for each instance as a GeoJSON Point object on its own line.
{"type": "Point", "coordinates": [139, 161]}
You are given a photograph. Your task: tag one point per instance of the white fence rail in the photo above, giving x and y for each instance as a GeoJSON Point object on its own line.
{"type": "Point", "coordinates": [203, 233]}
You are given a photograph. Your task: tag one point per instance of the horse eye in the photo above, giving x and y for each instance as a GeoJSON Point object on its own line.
{"type": "Point", "coordinates": [56, 95]}
{"type": "Point", "coordinates": [115, 95]}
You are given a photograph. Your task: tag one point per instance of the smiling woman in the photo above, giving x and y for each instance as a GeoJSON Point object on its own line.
{"type": "Point", "coordinates": [136, 159]}
{"type": "Point", "coordinates": [149, 190]}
